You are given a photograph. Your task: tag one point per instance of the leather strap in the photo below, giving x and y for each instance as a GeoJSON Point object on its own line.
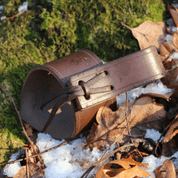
{"type": "Point", "coordinates": [72, 92]}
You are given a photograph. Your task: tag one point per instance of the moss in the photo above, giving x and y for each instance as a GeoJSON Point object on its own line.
{"type": "Point", "coordinates": [8, 145]}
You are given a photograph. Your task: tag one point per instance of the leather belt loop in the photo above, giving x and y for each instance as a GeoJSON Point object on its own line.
{"type": "Point", "coordinates": [70, 93]}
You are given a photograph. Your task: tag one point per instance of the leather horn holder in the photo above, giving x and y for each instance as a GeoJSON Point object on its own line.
{"type": "Point", "coordinates": [62, 97]}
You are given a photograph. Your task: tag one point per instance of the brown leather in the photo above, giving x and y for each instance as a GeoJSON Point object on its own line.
{"type": "Point", "coordinates": [123, 74]}
{"type": "Point", "coordinates": [72, 92]}
{"type": "Point", "coordinates": [62, 94]}
{"type": "Point", "coordinates": [44, 82]}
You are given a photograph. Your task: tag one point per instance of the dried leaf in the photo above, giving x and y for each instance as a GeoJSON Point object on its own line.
{"type": "Point", "coordinates": [172, 131]}
{"type": "Point", "coordinates": [154, 95]}
{"type": "Point", "coordinates": [34, 170]}
{"type": "Point", "coordinates": [175, 40]}
{"type": "Point", "coordinates": [169, 47]}
{"type": "Point", "coordinates": [149, 33]}
{"type": "Point", "coordinates": [169, 63]}
{"type": "Point", "coordinates": [162, 50]}
{"type": "Point", "coordinates": [169, 31]}
{"type": "Point", "coordinates": [144, 110]}
{"type": "Point", "coordinates": [169, 148]}
{"type": "Point", "coordinates": [28, 129]}
{"type": "Point", "coordinates": [167, 170]}
{"type": "Point", "coordinates": [171, 78]}
{"type": "Point", "coordinates": [174, 13]}
{"type": "Point", "coordinates": [122, 168]}
{"type": "Point", "coordinates": [162, 57]}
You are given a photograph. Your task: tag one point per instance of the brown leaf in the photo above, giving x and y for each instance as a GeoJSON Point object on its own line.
{"type": "Point", "coordinates": [154, 95]}
{"type": "Point", "coordinates": [169, 148]}
{"type": "Point", "coordinates": [169, 63]}
{"type": "Point", "coordinates": [144, 110]}
{"type": "Point", "coordinates": [171, 78]}
{"type": "Point", "coordinates": [175, 40]}
{"type": "Point", "coordinates": [122, 168]}
{"type": "Point", "coordinates": [167, 170]}
{"type": "Point", "coordinates": [149, 33]}
{"type": "Point", "coordinates": [28, 129]}
{"type": "Point", "coordinates": [172, 131]}
{"type": "Point", "coordinates": [162, 50]}
{"type": "Point", "coordinates": [34, 170]}
{"type": "Point", "coordinates": [174, 13]}
{"type": "Point", "coordinates": [169, 47]}
{"type": "Point", "coordinates": [169, 31]}
{"type": "Point", "coordinates": [162, 57]}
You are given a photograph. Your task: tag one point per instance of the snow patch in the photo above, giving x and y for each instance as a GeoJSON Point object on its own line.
{"type": "Point", "coordinates": [153, 134]}
{"type": "Point", "coordinates": [156, 87]}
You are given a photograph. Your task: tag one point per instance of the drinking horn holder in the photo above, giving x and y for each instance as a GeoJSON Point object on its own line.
{"type": "Point", "coordinates": [62, 97]}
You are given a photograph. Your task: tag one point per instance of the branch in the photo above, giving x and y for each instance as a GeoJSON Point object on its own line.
{"type": "Point", "coordinates": [18, 115]}
{"type": "Point", "coordinates": [11, 162]}
{"type": "Point", "coordinates": [94, 165]}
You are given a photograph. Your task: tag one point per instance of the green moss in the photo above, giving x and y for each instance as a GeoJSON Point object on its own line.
{"type": "Point", "coordinates": [8, 145]}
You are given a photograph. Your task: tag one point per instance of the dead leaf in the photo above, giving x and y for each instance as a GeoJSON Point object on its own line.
{"type": "Point", "coordinates": [34, 170]}
{"type": "Point", "coordinates": [171, 78]}
{"type": "Point", "coordinates": [149, 33]}
{"type": "Point", "coordinates": [172, 131]}
{"type": "Point", "coordinates": [167, 170]}
{"type": "Point", "coordinates": [122, 168]}
{"type": "Point", "coordinates": [162, 57]}
{"type": "Point", "coordinates": [174, 13]}
{"type": "Point", "coordinates": [169, 63]}
{"type": "Point", "coordinates": [145, 113]}
{"type": "Point", "coordinates": [169, 31]}
{"type": "Point", "coordinates": [155, 95]}
{"type": "Point", "coordinates": [175, 40]}
{"type": "Point", "coordinates": [162, 50]}
{"type": "Point", "coordinates": [169, 148]}
{"type": "Point", "coordinates": [167, 47]}
{"type": "Point", "coordinates": [28, 129]}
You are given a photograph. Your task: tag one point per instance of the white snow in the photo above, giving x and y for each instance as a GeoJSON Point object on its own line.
{"type": "Point", "coordinates": [153, 134]}
{"type": "Point", "coordinates": [155, 162]}
{"type": "Point", "coordinates": [156, 87]}
{"type": "Point", "coordinates": [12, 169]}
{"type": "Point", "coordinates": [63, 162]}
{"type": "Point", "coordinates": [23, 8]}
{"type": "Point", "coordinates": [170, 22]}
{"type": "Point", "coordinates": [169, 39]}
{"type": "Point", "coordinates": [1, 7]}
{"type": "Point", "coordinates": [3, 18]}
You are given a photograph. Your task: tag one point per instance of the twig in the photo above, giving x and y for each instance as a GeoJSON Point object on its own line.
{"type": "Point", "coordinates": [24, 131]}
{"type": "Point", "coordinates": [11, 162]}
{"type": "Point", "coordinates": [128, 125]}
{"type": "Point", "coordinates": [117, 140]}
{"type": "Point", "coordinates": [21, 14]}
{"type": "Point", "coordinates": [164, 132]}
{"type": "Point", "coordinates": [172, 52]}
{"type": "Point", "coordinates": [104, 156]}
{"type": "Point", "coordinates": [100, 137]}
{"type": "Point", "coordinates": [126, 114]}
{"type": "Point", "coordinates": [27, 169]}
{"type": "Point", "coordinates": [18, 115]}
{"type": "Point", "coordinates": [134, 135]}
{"type": "Point", "coordinates": [114, 126]}
{"type": "Point", "coordinates": [93, 166]}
